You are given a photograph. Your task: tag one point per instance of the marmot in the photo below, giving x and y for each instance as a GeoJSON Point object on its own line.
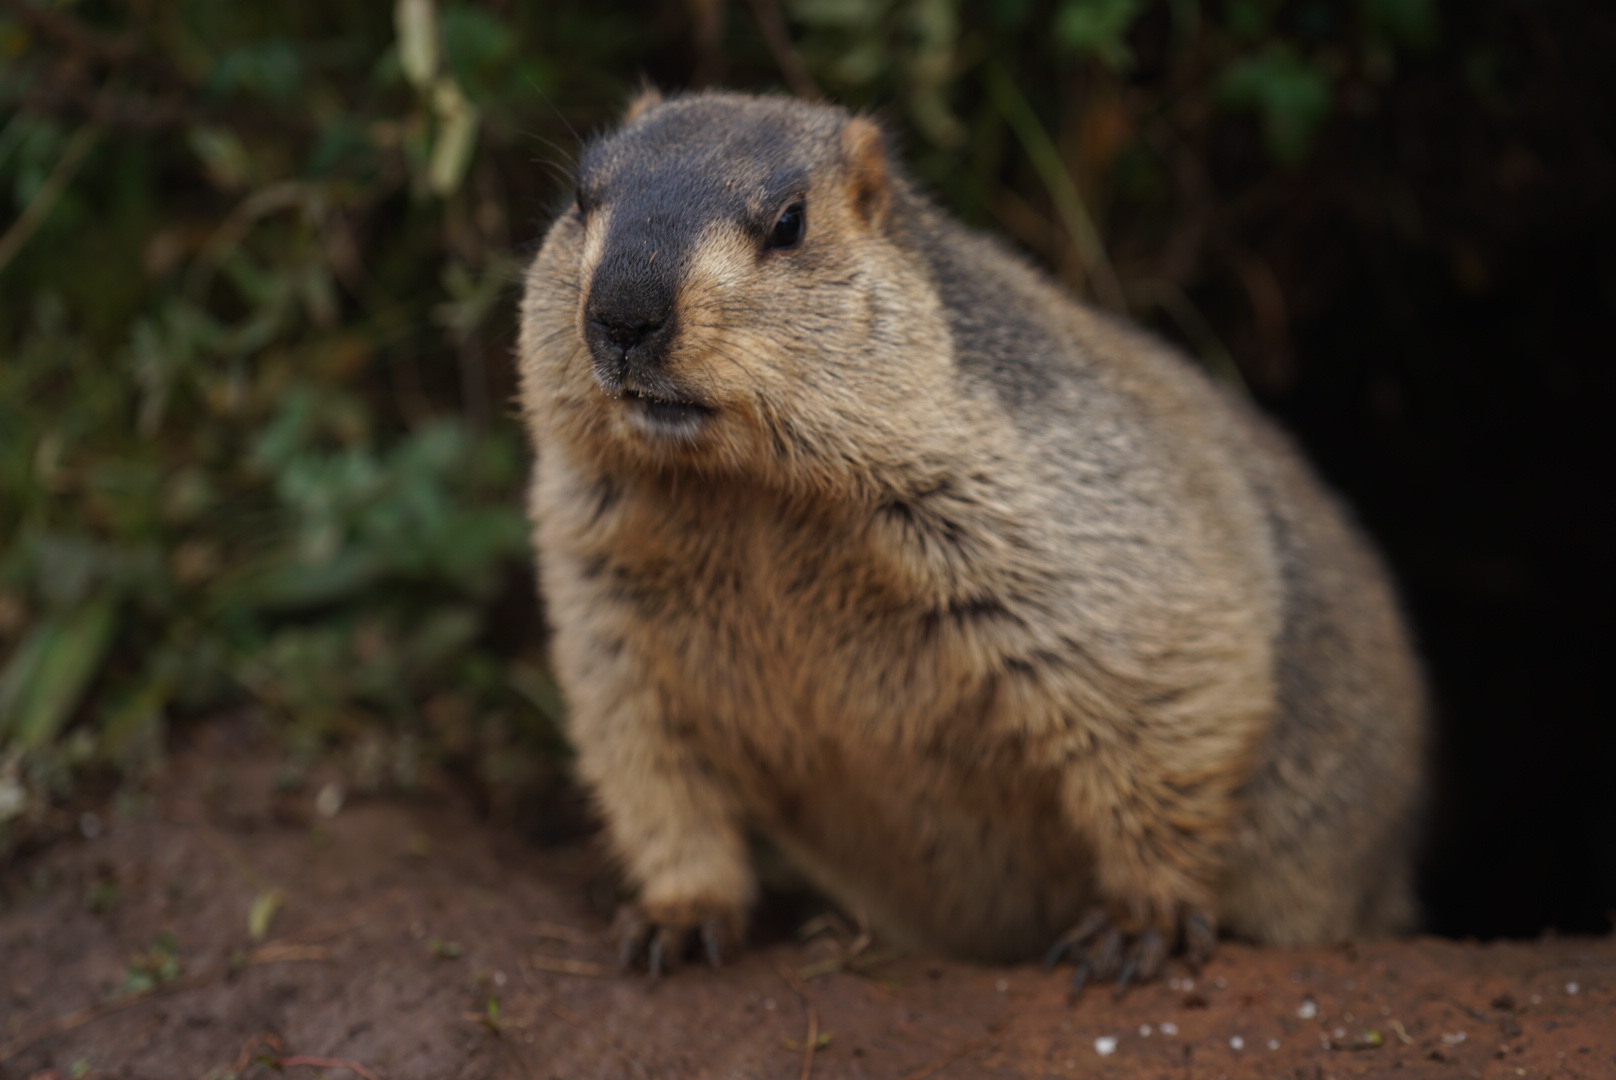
{"type": "Point", "coordinates": [1010, 629]}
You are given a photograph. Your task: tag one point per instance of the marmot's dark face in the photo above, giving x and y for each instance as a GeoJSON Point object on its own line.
{"type": "Point", "coordinates": [723, 292]}
{"type": "Point", "coordinates": [682, 198]}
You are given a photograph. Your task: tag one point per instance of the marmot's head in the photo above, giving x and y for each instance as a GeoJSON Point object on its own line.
{"type": "Point", "coordinates": [727, 294]}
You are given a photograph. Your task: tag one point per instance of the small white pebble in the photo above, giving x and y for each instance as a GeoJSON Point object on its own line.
{"type": "Point", "coordinates": [1145, 1030]}
{"type": "Point", "coordinates": [1454, 1038]}
{"type": "Point", "coordinates": [1105, 1045]}
{"type": "Point", "coordinates": [1221, 983]}
{"type": "Point", "coordinates": [1169, 1028]}
{"type": "Point", "coordinates": [768, 1003]}
{"type": "Point", "coordinates": [1537, 999]}
{"type": "Point", "coordinates": [1339, 1033]}
{"type": "Point", "coordinates": [1236, 1043]}
{"type": "Point", "coordinates": [328, 804]}
{"type": "Point", "coordinates": [499, 978]}
{"type": "Point", "coordinates": [1571, 987]}
{"type": "Point", "coordinates": [1308, 1009]}
{"type": "Point", "coordinates": [1273, 1044]}
{"type": "Point", "coordinates": [1002, 985]}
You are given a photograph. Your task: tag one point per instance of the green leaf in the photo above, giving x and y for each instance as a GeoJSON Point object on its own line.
{"type": "Point", "coordinates": [1291, 95]}
{"type": "Point", "coordinates": [262, 912]}
{"type": "Point", "coordinates": [1246, 19]}
{"type": "Point", "coordinates": [271, 69]}
{"type": "Point", "coordinates": [1098, 28]}
{"type": "Point", "coordinates": [49, 671]}
{"type": "Point", "coordinates": [1408, 23]}
{"type": "Point", "coordinates": [476, 45]}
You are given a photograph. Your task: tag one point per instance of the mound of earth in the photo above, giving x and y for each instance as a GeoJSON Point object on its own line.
{"type": "Point", "coordinates": [224, 930]}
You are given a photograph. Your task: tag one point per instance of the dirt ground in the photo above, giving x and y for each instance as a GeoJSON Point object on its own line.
{"type": "Point", "coordinates": [401, 939]}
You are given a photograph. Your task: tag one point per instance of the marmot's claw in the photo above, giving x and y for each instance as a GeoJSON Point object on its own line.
{"type": "Point", "coordinates": [1069, 942]}
{"type": "Point", "coordinates": [712, 941]}
{"type": "Point", "coordinates": [661, 945]}
{"type": "Point", "coordinates": [1144, 960]}
{"type": "Point", "coordinates": [633, 933]}
{"type": "Point", "coordinates": [667, 946]}
{"type": "Point", "coordinates": [1102, 951]}
{"type": "Point", "coordinates": [1200, 938]}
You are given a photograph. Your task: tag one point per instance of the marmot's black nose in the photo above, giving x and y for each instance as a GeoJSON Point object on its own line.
{"type": "Point", "coordinates": [629, 346]}
{"type": "Point", "coordinates": [623, 332]}
{"type": "Point", "coordinates": [630, 313]}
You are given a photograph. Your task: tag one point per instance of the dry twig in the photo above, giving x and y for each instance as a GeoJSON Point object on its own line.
{"type": "Point", "coordinates": [326, 1063]}
{"type": "Point", "coordinates": [812, 1041]}
{"type": "Point", "coordinates": [944, 1062]}
{"type": "Point", "coordinates": [563, 966]}
{"type": "Point", "coordinates": [557, 932]}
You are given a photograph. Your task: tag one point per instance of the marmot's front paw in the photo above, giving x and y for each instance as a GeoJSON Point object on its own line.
{"type": "Point", "coordinates": [661, 937]}
{"type": "Point", "coordinates": [1103, 950]}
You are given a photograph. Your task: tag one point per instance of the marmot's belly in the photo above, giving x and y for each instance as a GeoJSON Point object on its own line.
{"type": "Point", "coordinates": [972, 866]}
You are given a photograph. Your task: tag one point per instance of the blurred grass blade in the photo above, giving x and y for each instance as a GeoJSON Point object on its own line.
{"type": "Point", "coordinates": [49, 672]}
{"type": "Point", "coordinates": [416, 23]}
{"type": "Point", "coordinates": [1046, 159]}
{"type": "Point", "coordinates": [457, 137]}
{"type": "Point", "coordinates": [262, 913]}
{"type": "Point", "coordinates": [297, 586]}
{"type": "Point", "coordinates": [539, 688]}
{"type": "Point", "coordinates": [44, 201]}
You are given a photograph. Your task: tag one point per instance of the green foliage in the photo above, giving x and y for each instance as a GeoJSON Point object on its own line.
{"type": "Point", "coordinates": [257, 309]}
{"type": "Point", "coordinates": [1291, 95]}
{"type": "Point", "coordinates": [1098, 28]}
{"type": "Point", "coordinates": [1411, 23]}
{"type": "Point", "coordinates": [253, 348]}
{"type": "Point", "coordinates": [155, 967]}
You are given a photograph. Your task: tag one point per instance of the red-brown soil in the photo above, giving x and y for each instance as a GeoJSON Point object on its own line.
{"type": "Point", "coordinates": [417, 942]}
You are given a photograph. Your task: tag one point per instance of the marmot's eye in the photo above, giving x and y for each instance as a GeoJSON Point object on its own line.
{"type": "Point", "coordinates": [788, 227]}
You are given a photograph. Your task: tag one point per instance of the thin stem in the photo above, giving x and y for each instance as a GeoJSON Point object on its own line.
{"type": "Point", "coordinates": [45, 199]}
{"type": "Point", "coordinates": [1058, 182]}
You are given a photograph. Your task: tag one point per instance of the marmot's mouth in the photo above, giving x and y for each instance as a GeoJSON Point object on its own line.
{"type": "Point", "coordinates": [664, 416]}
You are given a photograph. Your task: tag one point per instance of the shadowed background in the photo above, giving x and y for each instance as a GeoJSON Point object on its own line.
{"type": "Point", "coordinates": [258, 266]}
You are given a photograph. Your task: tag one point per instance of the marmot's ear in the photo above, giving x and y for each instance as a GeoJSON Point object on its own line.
{"type": "Point", "coordinates": [648, 97]}
{"type": "Point", "coordinates": [864, 153]}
